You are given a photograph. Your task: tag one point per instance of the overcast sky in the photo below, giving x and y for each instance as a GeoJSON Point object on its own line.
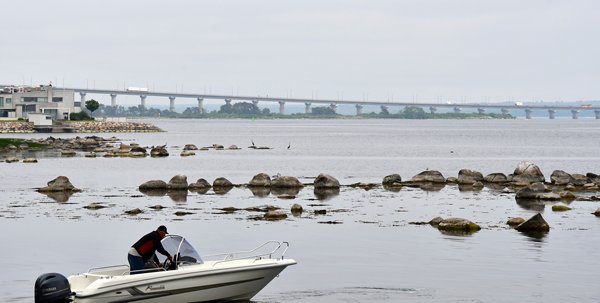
{"type": "Point", "coordinates": [463, 50]}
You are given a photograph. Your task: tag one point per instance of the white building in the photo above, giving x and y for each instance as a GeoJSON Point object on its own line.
{"type": "Point", "coordinates": [18, 102]}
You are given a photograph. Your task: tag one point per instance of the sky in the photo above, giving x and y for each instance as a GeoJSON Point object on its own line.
{"type": "Point", "coordinates": [423, 51]}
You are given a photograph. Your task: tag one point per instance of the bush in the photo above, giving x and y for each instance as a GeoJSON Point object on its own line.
{"type": "Point", "coordinates": [80, 116]}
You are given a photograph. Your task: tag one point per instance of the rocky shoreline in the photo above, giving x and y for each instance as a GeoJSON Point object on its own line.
{"type": "Point", "coordinates": [83, 127]}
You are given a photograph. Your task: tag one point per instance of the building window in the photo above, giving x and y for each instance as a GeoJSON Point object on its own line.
{"type": "Point", "coordinates": [77, 104]}
{"type": "Point", "coordinates": [34, 99]}
{"type": "Point", "coordinates": [1, 101]}
{"type": "Point", "coordinates": [57, 99]}
{"type": "Point", "coordinates": [8, 100]}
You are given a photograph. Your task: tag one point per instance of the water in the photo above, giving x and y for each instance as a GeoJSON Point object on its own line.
{"type": "Point", "coordinates": [372, 254]}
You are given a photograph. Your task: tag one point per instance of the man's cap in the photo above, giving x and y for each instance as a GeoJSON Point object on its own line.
{"type": "Point", "coordinates": [163, 228]}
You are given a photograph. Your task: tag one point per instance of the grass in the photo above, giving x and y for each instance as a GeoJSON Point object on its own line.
{"type": "Point", "coordinates": [4, 142]}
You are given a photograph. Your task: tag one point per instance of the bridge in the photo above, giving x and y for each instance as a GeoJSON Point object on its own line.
{"type": "Point", "coordinates": [431, 106]}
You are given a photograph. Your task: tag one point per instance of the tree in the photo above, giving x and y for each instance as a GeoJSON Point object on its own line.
{"type": "Point", "coordinates": [413, 112]}
{"type": "Point", "coordinates": [92, 105]}
{"type": "Point", "coordinates": [245, 108]}
{"type": "Point", "coordinates": [322, 110]}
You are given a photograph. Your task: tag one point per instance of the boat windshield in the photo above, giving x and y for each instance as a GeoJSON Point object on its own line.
{"type": "Point", "coordinates": [177, 244]}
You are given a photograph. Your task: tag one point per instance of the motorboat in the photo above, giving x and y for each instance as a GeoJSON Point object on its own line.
{"type": "Point", "coordinates": [189, 278]}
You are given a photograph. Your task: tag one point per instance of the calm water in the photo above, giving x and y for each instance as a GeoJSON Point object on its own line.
{"type": "Point", "coordinates": [371, 255]}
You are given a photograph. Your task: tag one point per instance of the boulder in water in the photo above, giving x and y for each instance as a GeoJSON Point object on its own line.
{"type": "Point", "coordinates": [260, 180]}
{"type": "Point", "coordinates": [153, 185]}
{"type": "Point", "coordinates": [534, 224]}
{"type": "Point", "coordinates": [527, 172]}
{"type": "Point", "coordinates": [431, 176]}
{"type": "Point", "coordinates": [467, 176]}
{"type": "Point", "coordinates": [178, 182]}
{"type": "Point", "coordinates": [286, 182]}
{"type": "Point", "coordinates": [326, 181]}
{"type": "Point", "coordinates": [60, 183]}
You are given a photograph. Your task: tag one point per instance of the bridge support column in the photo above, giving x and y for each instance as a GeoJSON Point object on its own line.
{"type": "Point", "coordinates": [307, 107]}
{"type": "Point", "coordinates": [200, 105]}
{"type": "Point", "coordinates": [504, 111]}
{"type": "Point", "coordinates": [171, 103]}
{"type": "Point", "coordinates": [597, 112]}
{"type": "Point", "coordinates": [255, 102]}
{"type": "Point", "coordinates": [143, 101]}
{"type": "Point", "coordinates": [281, 107]}
{"type": "Point", "coordinates": [113, 100]}
{"type": "Point", "coordinates": [82, 100]}
{"type": "Point", "coordinates": [481, 111]}
{"type": "Point", "coordinates": [527, 113]}
{"type": "Point", "coordinates": [384, 109]}
{"type": "Point", "coordinates": [333, 106]}
{"type": "Point", "coordinates": [551, 114]}
{"type": "Point", "coordinates": [575, 113]}
{"type": "Point", "coordinates": [457, 110]}
{"type": "Point", "coordinates": [359, 109]}
{"type": "Point", "coordinates": [432, 110]}
{"type": "Point", "coordinates": [227, 101]}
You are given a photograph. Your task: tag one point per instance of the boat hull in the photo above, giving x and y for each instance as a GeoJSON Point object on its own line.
{"type": "Point", "coordinates": [184, 285]}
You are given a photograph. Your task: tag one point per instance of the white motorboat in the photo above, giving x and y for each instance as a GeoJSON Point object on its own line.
{"type": "Point", "coordinates": [223, 277]}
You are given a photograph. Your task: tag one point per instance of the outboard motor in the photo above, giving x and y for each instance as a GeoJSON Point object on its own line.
{"type": "Point", "coordinates": [52, 288]}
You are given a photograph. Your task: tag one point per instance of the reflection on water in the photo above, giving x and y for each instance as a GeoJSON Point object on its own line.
{"type": "Point", "coordinates": [535, 236]}
{"type": "Point", "coordinates": [154, 192]}
{"type": "Point", "coordinates": [346, 294]}
{"type": "Point", "coordinates": [278, 191]}
{"type": "Point", "coordinates": [178, 196]}
{"type": "Point", "coordinates": [221, 190]}
{"type": "Point", "coordinates": [529, 204]}
{"type": "Point", "coordinates": [59, 196]}
{"type": "Point", "coordinates": [260, 192]}
{"type": "Point", "coordinates": [326, 193]}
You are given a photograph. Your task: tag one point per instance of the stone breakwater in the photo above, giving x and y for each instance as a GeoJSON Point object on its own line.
{"type": "Point", "coordinates": [16, 127]}
{"type": "Point", "coordinates": [112, 127]}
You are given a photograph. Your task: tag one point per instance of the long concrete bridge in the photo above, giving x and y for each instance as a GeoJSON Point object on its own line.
{"type": "Point", "coordinates": [431, 106]}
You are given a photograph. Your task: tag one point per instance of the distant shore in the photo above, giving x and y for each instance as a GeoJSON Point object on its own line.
{"type": "Point", "coordinates": [82, 127]}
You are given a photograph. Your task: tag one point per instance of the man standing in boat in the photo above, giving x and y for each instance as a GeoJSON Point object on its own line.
{"type": "Point", "coordinates": [146, 247]}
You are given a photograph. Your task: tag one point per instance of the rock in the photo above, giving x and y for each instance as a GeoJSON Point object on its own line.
{"type": "Point", "coordinates": [222, 182]}
{"type": "Point", "coordinates": [467, 176]}
{"type": "Point", "coordinates": [218, 146]}
{"type": "Point", "coordinates": [233, 147]}
{"type": "Point", "coordinates": [514, 222]}
{"type": "Point", "coordinates": [134, 211]}
{"type": "Point", "coordinates": [204, 149]}
{"type": "Point", "coordinates": [567, 195]}
{"type": "Point", "coordinates": [286, 182]}
{"type": "Point", "coordinates": [11, 160]}
{"type": "Point", "coordinates": [156, 207]}
{"type": "Point", "coordinates": [579, 179]}
{"type": "Point", "coordinates": [153, 185]}
{"type": "Point", "coordinates": [23, 147]}
{"type": "Point", "coordinates": [458, 224]}
{"type": "Point", "coordinates": [260, 180]}
{"type": "Point", "coordinates": [138, 149]}
{"type": "Point", "coordinates": [136, 155]}
{"type": "Point", "coordinates": [90, 155]}
{"type": "Point", "coordinates": [274, 215]}
{"type": "Point", "coordinates": [67, 153]}
{"type": "Point", "coordinates": [435, 221]}
{"type": "Point", "coordinates": [452, 180]}
{"type": "Point", "coordinates": [559, 177]}
{"type": "Point", "coordinates": [11, 147]}
{"type": "Point", "coordinates": [297, 209]}
{"type": "Point", "coordinates": [534, 224]}
{"type": "Point", "coordinates": [527, 172]}
{"type": "Point", "coordinates": [187, 153]}
{"type": "Point", "coordinates": [94, 206]}
{"type": "Point", "coordinates": [190, 147]}
{"type": "Point", "coordinates": [199, 185]}
{"type": "Point", "coordinates": [326, 181]}
{"type": "Point", "coordinates": [178, 182]}
{"type": "Point", "coordinates": [30, 160]}
{"type": "Point", "coordinates": [593, 178]}
{"type": "Point", "coordinates": [431, 176]}
{"type": "Point", "coordinates": [536, 191]}
{"type": "Point", "coordinates": [597, 212]}
{"type": "Point", "coordinates": [560, 208]}
{"type": "Point", "coordinates": [286, 196]}
{"type": "Point", "coordinates": [60, 183]}
{"type": "Point", "coordinates": [159, 151]}
{"type": "Point", "coordinates": [183, 213]}
{"type": "Point", "coordinates": [391, 179]}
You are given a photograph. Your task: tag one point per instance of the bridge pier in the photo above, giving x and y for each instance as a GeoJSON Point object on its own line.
{"type": "Point", "coordinates": [527, 113]}
{"type": "Point", "coordinates": [481, 111]}
{"type": "Point", "coordinates": [281, 107]}
{"type": "Point", "coordinates": [457, 110]}
{"type": "Point", "coordinates": [307, 107]}
{"type": "Point", "coordinates": [575, 113]}
{"type": "Point", "coordinates": [227, 101]}
{"type": "Point", "coordinates": [359, 109]}
{"type": "Point", "coordinates": [255, 102]}
{"type": "Point", "coordinates": [384, 109]}
{"type": "Point", "coordinates": [597, 112]}
{"type": "Point", "coordinates": [333, 106]}
{"type": "Point", "coordinates": [171, 103]}
{"type": "Point", "coordinates": [432, 110]}
{"type": "Point", "coordinates": [143, 101]}
{"type": "Point", "coordinates": [504, 111]}
{"type": "Point", "coordinates": [551, 114]}
{"type": "Point", "coordinates": [113, 100]}
{"type": "Point", "coordinates": [200, 105]}
{"type": "Point", "coordinates": [82, 100]}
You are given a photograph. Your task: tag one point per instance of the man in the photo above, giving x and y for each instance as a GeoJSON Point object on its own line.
{"type": "Point", "coordinates": [145, 248]}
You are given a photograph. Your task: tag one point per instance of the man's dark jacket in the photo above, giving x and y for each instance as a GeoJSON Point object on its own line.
{"type": "Point", "coordinates": [148, 245]}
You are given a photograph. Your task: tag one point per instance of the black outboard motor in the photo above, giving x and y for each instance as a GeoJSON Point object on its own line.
{"type": "Point", "coordinates": [52, 288]}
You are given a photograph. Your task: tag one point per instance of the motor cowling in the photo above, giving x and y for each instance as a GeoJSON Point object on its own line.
{"type": "Point", "coordinates": [52, 288]}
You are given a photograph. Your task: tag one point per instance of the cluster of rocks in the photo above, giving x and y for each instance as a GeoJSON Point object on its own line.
{"type": "Point", "coordinates": [112, 127]}
{"type": "Point", "coordinates": [16, 127]}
